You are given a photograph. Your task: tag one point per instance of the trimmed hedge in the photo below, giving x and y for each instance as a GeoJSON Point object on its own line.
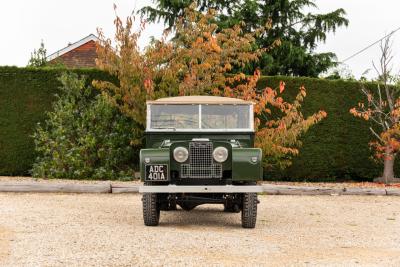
{"type": "Point", "coordinates": [25, 95]}
{"type": "Point", "coordinates": [335, 149]}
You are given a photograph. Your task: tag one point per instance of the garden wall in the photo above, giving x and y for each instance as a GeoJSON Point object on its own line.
{"type": "Point", "coordinates": [336, 148]}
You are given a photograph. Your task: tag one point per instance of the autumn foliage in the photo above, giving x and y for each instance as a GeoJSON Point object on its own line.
{"type": "Point", "coordinates": [382, 108]}
{"type": "Point", "coordinates": [387, 143]}
{"type": "Point", "coordinates": [202, 59]}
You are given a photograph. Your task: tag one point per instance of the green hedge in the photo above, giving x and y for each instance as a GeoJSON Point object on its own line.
{"type": "Point", "coordinates": [335, 149]}
{"type": "Point", "coordinates": [25, 95]}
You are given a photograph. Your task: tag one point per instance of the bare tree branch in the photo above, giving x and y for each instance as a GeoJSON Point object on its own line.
{"type": "Point", "coordinates": [374, 133]}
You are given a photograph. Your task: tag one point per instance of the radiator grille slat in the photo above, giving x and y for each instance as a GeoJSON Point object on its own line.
{"type": "Point", "coordinates": [201, 162]}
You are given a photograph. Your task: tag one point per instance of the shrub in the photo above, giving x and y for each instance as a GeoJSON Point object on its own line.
{"type": "Point", "coordinates": [201, 60]}
{"type": "Point", "coordinates": [84, 136]}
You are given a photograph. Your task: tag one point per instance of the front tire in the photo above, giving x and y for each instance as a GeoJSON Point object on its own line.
{"type": "Point", "coordinates": [249, 210]}
{"type": "Point", "coordinates": [151, 209]}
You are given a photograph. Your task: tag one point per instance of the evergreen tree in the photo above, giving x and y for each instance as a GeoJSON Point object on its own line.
{"type": "Point", "coordinates": [38, 57]}
{"type": "Point", "coordinates": [298, 32]}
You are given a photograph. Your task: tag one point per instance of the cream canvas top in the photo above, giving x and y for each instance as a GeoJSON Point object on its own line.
{"type": "Point", "coordinates": [197, 99]}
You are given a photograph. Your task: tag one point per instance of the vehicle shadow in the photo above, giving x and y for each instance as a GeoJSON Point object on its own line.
{"type": "Point", "coordinates": [200, 216]}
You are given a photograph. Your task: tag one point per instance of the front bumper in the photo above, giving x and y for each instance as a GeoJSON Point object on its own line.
{"type": "Point", "coordinates": [200, 189]}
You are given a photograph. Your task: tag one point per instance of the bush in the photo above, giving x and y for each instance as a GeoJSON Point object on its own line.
{"type": "Point", "coordinates": [83, 137]}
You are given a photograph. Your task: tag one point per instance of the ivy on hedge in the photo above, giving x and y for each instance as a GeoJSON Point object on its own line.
{"type": "Point", "coordinates": [84, 137]}
{"type": "Point", "coordinates": [335, 149]}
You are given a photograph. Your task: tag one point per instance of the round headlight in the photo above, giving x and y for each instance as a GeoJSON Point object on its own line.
{"type": "Point", "coordinates": [220, 154]}
{"type": "Point", "coordinates": [181, 154]}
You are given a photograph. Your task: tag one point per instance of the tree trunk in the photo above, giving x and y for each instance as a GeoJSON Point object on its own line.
{"type": "Point", "coordinates": [388, 173]}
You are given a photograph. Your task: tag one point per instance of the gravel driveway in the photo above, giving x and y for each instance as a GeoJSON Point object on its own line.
{"type": "Point", "coordinates": [106, 229]}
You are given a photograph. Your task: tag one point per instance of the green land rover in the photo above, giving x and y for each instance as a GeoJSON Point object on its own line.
{"type": "Point", "coordinates": [200, 150]}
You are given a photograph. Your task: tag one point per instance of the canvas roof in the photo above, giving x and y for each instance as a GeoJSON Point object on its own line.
{"type": "Point", "coordinates": [216, 100]}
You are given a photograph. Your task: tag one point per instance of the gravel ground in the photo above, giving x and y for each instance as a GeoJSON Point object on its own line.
{"type": "Point", "coordinates": [106, 229]}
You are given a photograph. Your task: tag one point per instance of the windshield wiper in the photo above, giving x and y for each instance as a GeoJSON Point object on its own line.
{"type": "Point", "coordinates": [164, 128]}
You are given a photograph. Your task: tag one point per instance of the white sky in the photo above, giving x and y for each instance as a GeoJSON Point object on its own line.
{"type": "Point", "coordinates": [24, 23]}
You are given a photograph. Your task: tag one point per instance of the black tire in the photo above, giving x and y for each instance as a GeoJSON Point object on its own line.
{"type": "Point", "coordinates": [249, 210]}
{"type": "Point", "coordinates": [187, 206]}
{"type": "Point", "coordinates": [151, 210]}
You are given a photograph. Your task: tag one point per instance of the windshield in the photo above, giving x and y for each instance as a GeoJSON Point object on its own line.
{"type": "Point", "coordinates": [174, 116]}
{"type": "Point", "coordinates": [204, 117]}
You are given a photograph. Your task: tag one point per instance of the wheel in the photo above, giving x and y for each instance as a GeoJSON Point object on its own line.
{"type": "Point", "coordinates": [151, 210]}
{"type": "Point", "coordinates": [187, 206]}
{"type": "Point", "coordinates": [249, 210]}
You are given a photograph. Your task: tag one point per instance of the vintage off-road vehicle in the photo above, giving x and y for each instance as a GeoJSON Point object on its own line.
{"type": "Point", "coordinates": [199, 149]}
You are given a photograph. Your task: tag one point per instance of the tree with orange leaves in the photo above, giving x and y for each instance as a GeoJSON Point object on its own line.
{"type": "Point", "coordinates": [382, 107]}
{"type": "Point", "coordinates": [202, 59]}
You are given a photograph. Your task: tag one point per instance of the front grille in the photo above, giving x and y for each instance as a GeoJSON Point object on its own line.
{"type": "Point", "coordinates": [201, 163]}
{"type": "Point", "coordinates": [200, 154]}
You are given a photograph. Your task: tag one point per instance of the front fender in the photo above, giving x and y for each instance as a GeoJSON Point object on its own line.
{"type": "Point", "coordinates": [156, 156]}
{"type": "Point", "coordinates": [243, 168]}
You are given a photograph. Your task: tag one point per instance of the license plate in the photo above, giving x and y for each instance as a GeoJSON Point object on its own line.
{"type": "Point", "coordinates": [157, 172]}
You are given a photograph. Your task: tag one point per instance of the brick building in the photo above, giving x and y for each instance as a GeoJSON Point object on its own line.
{"type": "Point", "coordinates": [81, 54]}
